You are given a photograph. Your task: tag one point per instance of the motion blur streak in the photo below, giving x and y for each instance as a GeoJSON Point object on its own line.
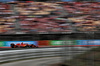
{"type": "Point", "coordinates": [13, 55]}
{"type": "Point", "coordinates": [35, 62]}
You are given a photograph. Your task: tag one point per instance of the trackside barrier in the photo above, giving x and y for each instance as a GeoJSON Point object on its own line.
{"type": "Point", "coordinates": [13, 55]}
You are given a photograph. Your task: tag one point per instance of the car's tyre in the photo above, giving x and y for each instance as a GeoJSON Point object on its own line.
{"type": "Point", "coordinates": [32, 46]}
{"type": "Point", "coordinates": [37, 47]}
{"type": "Point", "coordinates": [27, 46]}
{"type": "Point", "coordinates": [16, 47]}
{"type": "Point", "coordinates": [12, 45]}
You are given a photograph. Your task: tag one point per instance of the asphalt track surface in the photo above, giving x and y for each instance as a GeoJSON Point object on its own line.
{"type": "Point", "coordinates": [38, 61]}
{"type": "Point", "coordinates": [5, 49]}
{"type": "Point", "coordinates": [35, 62]}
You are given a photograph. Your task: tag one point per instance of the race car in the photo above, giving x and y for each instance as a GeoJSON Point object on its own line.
{"type": "Point", "coordinates": [23, 45]}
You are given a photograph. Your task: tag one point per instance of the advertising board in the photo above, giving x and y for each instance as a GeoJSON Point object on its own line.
{"type": "Point", "coordinates": [88, 42]}
{"type": "Point", "coordinates": [96, 42]}
{"type": "Point", "coordinates": [51, 43]}
{"type": "Point", "coordinates": [44, 43]}
{"type": "Point", "coordinates": [63, 42]}
{"type": "Point", "coordinates": [56, 42]}
{"type": "Point", "coordinates": [2, 44]}
{"type": "Point", "coordinates": [8, 43]}
{"type": "Point", "coordinates": [70, 42]}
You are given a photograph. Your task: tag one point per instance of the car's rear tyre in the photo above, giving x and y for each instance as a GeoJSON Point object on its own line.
{"type": "Point", "coordinates": [37, 47]}
{"type": "Point", "coordinates": [12, 45]}
{"type": "Point", "coordinates": [16, 47]}
{"type": "Point", "coordinates": [32, 46]}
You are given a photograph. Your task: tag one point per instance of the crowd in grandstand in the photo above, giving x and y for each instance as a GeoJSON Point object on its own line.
{"type": "Point", "coordinates": [47, 17]}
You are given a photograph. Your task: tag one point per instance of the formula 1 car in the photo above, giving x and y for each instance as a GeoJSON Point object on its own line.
{"type": "Point", "coordinates": [23, 45]}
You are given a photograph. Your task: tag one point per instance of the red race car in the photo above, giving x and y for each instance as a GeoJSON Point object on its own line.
{"type": "Point", "coordinates": [23, 45]}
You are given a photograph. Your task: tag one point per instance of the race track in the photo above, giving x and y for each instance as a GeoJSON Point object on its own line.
{"type": "Point", "coordinates": [35, 62]}
{"type": "Point", "coordinates": [44, 53]}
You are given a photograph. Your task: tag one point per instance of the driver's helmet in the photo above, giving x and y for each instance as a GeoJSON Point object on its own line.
{"type": "Point", "coordinates": [12, 43]}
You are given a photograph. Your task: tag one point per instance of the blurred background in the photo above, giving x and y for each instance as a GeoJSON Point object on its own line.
{"type": "Point", "coordinates": [49, 32]}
